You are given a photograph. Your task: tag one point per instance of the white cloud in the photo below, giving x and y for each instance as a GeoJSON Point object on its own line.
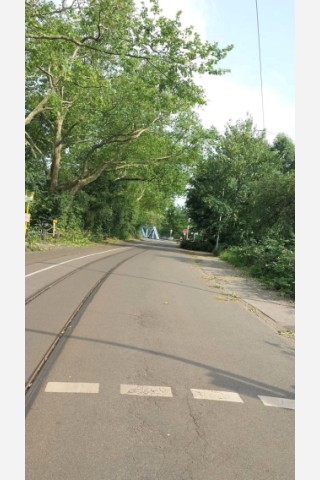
{"type": "Point", "coordinates": [229, 100]}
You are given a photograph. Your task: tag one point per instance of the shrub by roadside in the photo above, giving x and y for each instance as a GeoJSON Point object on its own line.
{"type": "Point", "coordinates": [36, 241]}
{"type": "Point", "coordinates": [199, 245]}
{"type": "Point", "coordinates": [272, 261]}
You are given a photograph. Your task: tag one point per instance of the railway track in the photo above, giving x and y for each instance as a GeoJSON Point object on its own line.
{"type": "Point", "coordinates": [64, 277]}
{"type": "Point", "coordinates": [34, 379]}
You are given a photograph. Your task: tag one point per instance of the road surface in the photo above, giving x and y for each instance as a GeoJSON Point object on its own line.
{"type": "Point", "coordinates": [137, 368]}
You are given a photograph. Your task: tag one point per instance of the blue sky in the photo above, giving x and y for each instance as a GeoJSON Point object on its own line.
{"type": "Point", "coordinates": [235, 21]}
{"type": "Point", "coordinates": [238, 93]}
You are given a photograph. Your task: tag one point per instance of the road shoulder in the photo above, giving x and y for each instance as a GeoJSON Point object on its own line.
{"type": "Point", "coordinates": [231, 284]}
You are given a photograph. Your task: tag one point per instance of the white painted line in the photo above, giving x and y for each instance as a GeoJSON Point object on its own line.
{"type": "Point", "coordinates": [277, 402]}
{"type": "Point", "coordinates": [69, 387]}
{"type": "Point", "coordinates": [145, 391]}
{"type": "Point", "coordinates": [73, 260]}
{"type": "Point", "coordinates": [215, 395]}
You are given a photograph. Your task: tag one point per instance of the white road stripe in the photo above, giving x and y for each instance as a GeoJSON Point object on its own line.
{"type": "Point", "coordinates": [215, 395]}
{"type": "Point", "coordinates": [70, 387]}
{"type": "Point", "coordinates": [277, 402]}
{"type": "Point", "coordinates": [74, 259]}
{"type": "Point", "coordinates": [145, 391]}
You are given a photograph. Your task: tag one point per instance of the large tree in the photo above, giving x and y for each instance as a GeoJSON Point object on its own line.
{"type": "Point", "coordinates": [284, 147]}
{"type": "Point", "coordinates": [240, 190]}
{"type": "Point", "coordinates": [106, 84]}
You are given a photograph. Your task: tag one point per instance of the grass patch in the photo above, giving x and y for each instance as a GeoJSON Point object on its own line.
{"type": "Point", "coordinates": [37, 242]}
{"type": "Point", "coordinates": [287, 334]}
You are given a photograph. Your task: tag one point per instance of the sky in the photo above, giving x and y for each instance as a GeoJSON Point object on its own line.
{"type": "Point", "coordinates": [238, 93]}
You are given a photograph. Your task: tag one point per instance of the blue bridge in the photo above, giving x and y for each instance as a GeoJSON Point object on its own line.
{"type": "Point", "coordinates": [149, 231]}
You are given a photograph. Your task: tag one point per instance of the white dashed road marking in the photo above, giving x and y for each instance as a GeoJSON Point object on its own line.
{"type": "Point", "coordinates": [145, 391]}
{"type": "Point", "coordinates": [156, 391]}
{"type": "Point", "coordinates": [69, 387]}
{"type": "Point", "coordinates": [215, 395]}
{"type": "Point", "coordinates": [277, 402]}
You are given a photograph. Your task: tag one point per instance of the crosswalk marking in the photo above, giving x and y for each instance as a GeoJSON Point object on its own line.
{"type": "Point", "coordinates": [72, 387]}
{"type": "Point", "coordinates": [145, 391]}
{"type": "Point", "coordinates": [160, 391]}
{"type": "Point", "coordinates": [215, 395]}
{"type": "Point", "coordinates": [277, 402]}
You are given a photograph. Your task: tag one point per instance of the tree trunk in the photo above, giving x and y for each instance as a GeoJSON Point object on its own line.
{"type": "Point", "coordinates": [56, 153]}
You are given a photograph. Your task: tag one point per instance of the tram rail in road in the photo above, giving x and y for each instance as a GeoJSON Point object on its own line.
{"type": "Point", "coordinates": [75, 316]}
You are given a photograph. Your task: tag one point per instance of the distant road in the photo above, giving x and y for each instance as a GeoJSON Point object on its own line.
{"type": "Point", "coordinates": [137, 369]}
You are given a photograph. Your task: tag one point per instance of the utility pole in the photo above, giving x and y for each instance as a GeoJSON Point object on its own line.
{"type": "Point", "coordinates": [218, 234]}
{"type": "Point", "coordinates": [187, 237]}
{"type": "Point", "coordinates": [219, 226]}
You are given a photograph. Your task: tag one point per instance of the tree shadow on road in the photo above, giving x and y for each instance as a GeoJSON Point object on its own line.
{"type": "Point", "coordinates": [220, 378]}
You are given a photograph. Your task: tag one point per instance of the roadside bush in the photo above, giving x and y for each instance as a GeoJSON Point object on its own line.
{"type": "Point", "coordinates": [199, 245]}
{"type": "Point", "coordinates": [271, 260]}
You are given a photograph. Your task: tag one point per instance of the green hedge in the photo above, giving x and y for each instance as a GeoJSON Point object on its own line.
{"type": "Point", "coordinates": [271, 260]}
{"type": "Point", "coordinates": [199, 245]}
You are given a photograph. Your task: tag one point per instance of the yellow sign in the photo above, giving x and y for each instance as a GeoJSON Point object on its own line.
{"type": "Point", "coordinates": [29, 196]}
{"type": "Point", "coordinates": [55, 221]}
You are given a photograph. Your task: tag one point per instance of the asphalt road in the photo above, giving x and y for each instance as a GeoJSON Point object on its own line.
{"type": "Point", "coordinates": [158, 376]}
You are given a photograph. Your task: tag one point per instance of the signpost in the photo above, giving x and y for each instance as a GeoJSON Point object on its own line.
{"type": "Point", "coordinates": [54, 222]}
{"type": "Point", "coordinates": [29, 196]}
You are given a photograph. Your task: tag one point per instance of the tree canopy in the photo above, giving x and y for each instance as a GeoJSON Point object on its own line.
{"type": "Point", "coordinates": [107, 86]}
{"type": "Point", "coordinates": [243, 188]}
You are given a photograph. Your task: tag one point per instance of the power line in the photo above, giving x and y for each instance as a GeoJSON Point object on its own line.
{"type": "Point", "coordinates": [263, 123]}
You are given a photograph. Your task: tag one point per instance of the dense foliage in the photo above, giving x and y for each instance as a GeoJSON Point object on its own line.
{"type": "Point", "coordinates": [110, 93]}
{"type": "Point", "coordinates": [242, 198]}
{"type": "Point", "coordinates": [270, 259]}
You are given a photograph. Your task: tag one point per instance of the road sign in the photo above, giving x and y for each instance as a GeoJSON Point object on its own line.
{"type": "Point", "coordinates": [185, 231]}
{"type": "Point", "coordinates": [28, 196]}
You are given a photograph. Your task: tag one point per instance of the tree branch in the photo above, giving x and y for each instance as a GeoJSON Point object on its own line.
{"type": "Point", "coordinates": [32, 146]}
{"type": "Point", "coordinates": [83, 45]}
{"type": "Point", "coordinates": [37, 110]}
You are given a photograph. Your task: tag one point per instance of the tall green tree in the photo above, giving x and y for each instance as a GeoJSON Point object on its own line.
{"type": "Point", "coordinates": [105, 82]}
{"type": "Point", "coordinates": [240, 190]}
{"type": "Point", "coordinates": [174, 221]}
{"type": "Point", "coordinates": [284, 147]}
